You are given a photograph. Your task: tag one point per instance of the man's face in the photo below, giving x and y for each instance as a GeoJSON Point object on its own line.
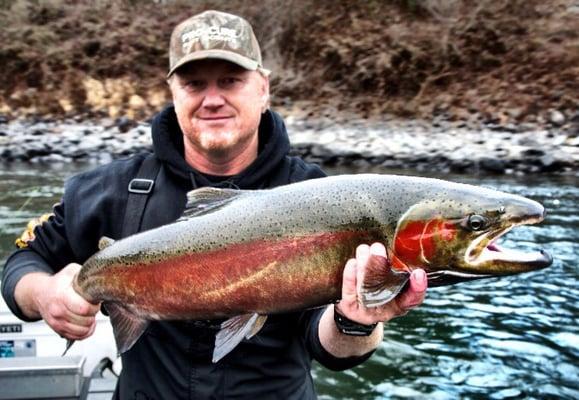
{"type": "Point", "coordinates": [218, 105]}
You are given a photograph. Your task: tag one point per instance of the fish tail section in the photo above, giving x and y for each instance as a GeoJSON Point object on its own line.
{"type": "Point", "coordinates": [128, 328]}
{"type": "Point", "coordinates": [379, 283]}
{"type": "Point", "coordinates": [234, 330]}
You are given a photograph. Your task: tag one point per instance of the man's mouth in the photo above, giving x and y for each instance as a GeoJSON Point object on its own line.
{"type": "Point", "coordinates": [215, 118]}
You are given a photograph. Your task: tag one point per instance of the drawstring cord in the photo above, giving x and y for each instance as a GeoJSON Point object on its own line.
{"type": "Point", "coordinates": [193, 181]}
{"type": "Point", "coordinates": [226, 184]}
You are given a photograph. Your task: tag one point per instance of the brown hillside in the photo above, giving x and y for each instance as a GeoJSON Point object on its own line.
{"type": "Point", "coordinates": [498, 61]}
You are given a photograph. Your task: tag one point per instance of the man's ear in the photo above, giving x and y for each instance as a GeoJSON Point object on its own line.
{"type": "Point", "coordinates": [265, 96]}
{"type": "Point", "coordinates": [170, 82]}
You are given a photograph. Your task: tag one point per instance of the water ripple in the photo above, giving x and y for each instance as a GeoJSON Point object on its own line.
{"type": "Point", "coordinates": [504, 338]}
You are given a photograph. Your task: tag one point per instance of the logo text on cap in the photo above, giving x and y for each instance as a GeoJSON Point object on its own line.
{"type": "Point", "coordinates": [209, 33]}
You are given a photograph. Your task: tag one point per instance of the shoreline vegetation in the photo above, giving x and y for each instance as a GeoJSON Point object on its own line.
{"type": "Point", "coordinates": [432, 84]}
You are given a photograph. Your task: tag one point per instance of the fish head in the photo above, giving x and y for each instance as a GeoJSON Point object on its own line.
{"type": "Point", "coordinates": [453, 235]}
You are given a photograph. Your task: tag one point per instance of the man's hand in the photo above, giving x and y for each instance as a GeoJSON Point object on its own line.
{"type": "Point", "coordinates": [352, 309]}
{"type": "Point", "coordinates": [341, 345]}
{"type": "Point", "coordinates": [53, 298]}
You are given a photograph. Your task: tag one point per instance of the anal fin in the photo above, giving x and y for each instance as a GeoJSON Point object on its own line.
{"type": "Point", "coordinates": [127, 327]}
{"type": "Point", "coordinates": [380, 283]}
{"type": "Point", "coordinates": [234, 330]}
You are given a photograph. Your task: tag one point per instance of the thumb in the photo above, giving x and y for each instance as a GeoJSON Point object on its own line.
{"type": "Point", "coordinates": [71, 269]}
{"type": "Point", "coordinates": [349, 294]}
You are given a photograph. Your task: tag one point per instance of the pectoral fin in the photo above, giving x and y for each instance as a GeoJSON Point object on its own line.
{"type": "Point", "coordinates": [380, 283]}
{"type": "Point", "coordinates": [234, 330]}
{"type": "Point", "coordinates": [127, 327]}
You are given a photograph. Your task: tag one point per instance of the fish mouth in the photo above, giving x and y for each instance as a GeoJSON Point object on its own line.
{"type": "Point", "coordinates": [484, 255]}
{"type": "Point", "coordinates": [485, 258]}
{"type": "Point", "coordinates": [510, 260]}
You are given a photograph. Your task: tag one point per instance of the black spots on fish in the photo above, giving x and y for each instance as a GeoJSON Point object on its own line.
{"type": "Point", "coordinates": [212, 245]}
{"type": "Point", "coordinates": [164, 253]}
{"type": "Point", "coordinates": [277, 228]}
{"type": "Point", "coordinates": [274, 224]}
{"type": "Point", "coordinates": [368, 222]}
{"type": "Point", "coordinates": [314, 201]}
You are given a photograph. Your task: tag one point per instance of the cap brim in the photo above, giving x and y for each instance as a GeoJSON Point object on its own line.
{"type": "Point", "coordinates": [235, 58]}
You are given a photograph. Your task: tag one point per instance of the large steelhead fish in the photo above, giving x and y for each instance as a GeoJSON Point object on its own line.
{"type": "Point", "coordinates": [243, 255]}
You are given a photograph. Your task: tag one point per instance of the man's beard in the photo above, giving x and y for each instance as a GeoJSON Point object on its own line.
{"type": "Point", "coordinates": [217, 142]}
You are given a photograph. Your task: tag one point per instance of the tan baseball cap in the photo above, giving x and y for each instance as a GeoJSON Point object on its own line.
{"type": "Point", "coordinates": [214, 34]}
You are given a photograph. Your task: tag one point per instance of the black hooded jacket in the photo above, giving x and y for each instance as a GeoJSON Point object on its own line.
{"type": "Point", "coordinates": [172, 360]}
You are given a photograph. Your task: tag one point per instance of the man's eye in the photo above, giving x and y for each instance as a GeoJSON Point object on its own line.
{"type": "Point", "coordinates": [195, 84]}
{"type": "Point", "coordinates": [228, 82]}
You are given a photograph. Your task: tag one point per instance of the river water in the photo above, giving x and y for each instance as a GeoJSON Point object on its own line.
{"type": "Point", "coordinates": [510, 338]}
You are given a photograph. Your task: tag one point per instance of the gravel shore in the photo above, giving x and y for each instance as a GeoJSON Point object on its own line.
{"type": "Point", "coordinates": [417, 145]}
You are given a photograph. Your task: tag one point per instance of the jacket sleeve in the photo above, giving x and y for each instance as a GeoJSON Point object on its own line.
{"type": "Point", "coordinates": [92, 207]}
{"type": "Point", "coordinates": [47, 252]}
{"type": "Point", "coordinates": [310, 323]}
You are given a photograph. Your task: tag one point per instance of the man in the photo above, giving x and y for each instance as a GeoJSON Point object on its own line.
{"type": "Point", "coordinates": [218, 133]}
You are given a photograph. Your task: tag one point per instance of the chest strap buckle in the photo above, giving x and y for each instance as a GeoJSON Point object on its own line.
{"type": "Point", "coordinates": [141, 186]}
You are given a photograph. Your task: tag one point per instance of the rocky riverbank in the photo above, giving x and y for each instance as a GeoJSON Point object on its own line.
{"type": "Point", "coordinates": [447, 86]}
{"type": "Point", "coordinates": [408, 144]}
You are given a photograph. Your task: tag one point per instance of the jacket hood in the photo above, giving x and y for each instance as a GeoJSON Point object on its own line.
{"type": "Point", "coordinates": [273, 148]}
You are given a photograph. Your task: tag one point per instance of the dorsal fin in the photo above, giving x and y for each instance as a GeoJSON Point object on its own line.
{"type": "Point", "coordinates": [105, 242]}
{"type": "Point", "coordinates": [205, 200]}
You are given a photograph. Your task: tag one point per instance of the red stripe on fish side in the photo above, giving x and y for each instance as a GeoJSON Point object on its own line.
{"type": "Point", "coordinates": [246, 276]}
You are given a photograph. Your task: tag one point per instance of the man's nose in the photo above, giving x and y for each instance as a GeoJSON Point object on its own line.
{"type": "Point", "coordinates": [213, 97]}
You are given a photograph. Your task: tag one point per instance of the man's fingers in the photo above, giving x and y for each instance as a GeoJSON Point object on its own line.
{"type": "Point", "coordinates": [71, 270]}
{"type": "Point", "coordinates": [75, 332]}
{"type": "Point", "coordinates": [378, 249]}
{"type": "Point", "coordinates": [418, 280]}
{"type": "Point", "coordinates": [414, 295]}
{"type": "Point", "coordinates": [362, 252]}
{"type": "Point", "coordinates": [80, 320]}
{"type": "Point", "coordinates": [79, 306]}
{"type": "Point", "coordinates": [75, 303]}
{"type": "Point", "coordinates": [349, 282]}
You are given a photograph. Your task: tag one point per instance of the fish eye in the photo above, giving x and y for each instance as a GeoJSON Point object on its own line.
{"type": "Point", "coordinates": [476, 222]}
